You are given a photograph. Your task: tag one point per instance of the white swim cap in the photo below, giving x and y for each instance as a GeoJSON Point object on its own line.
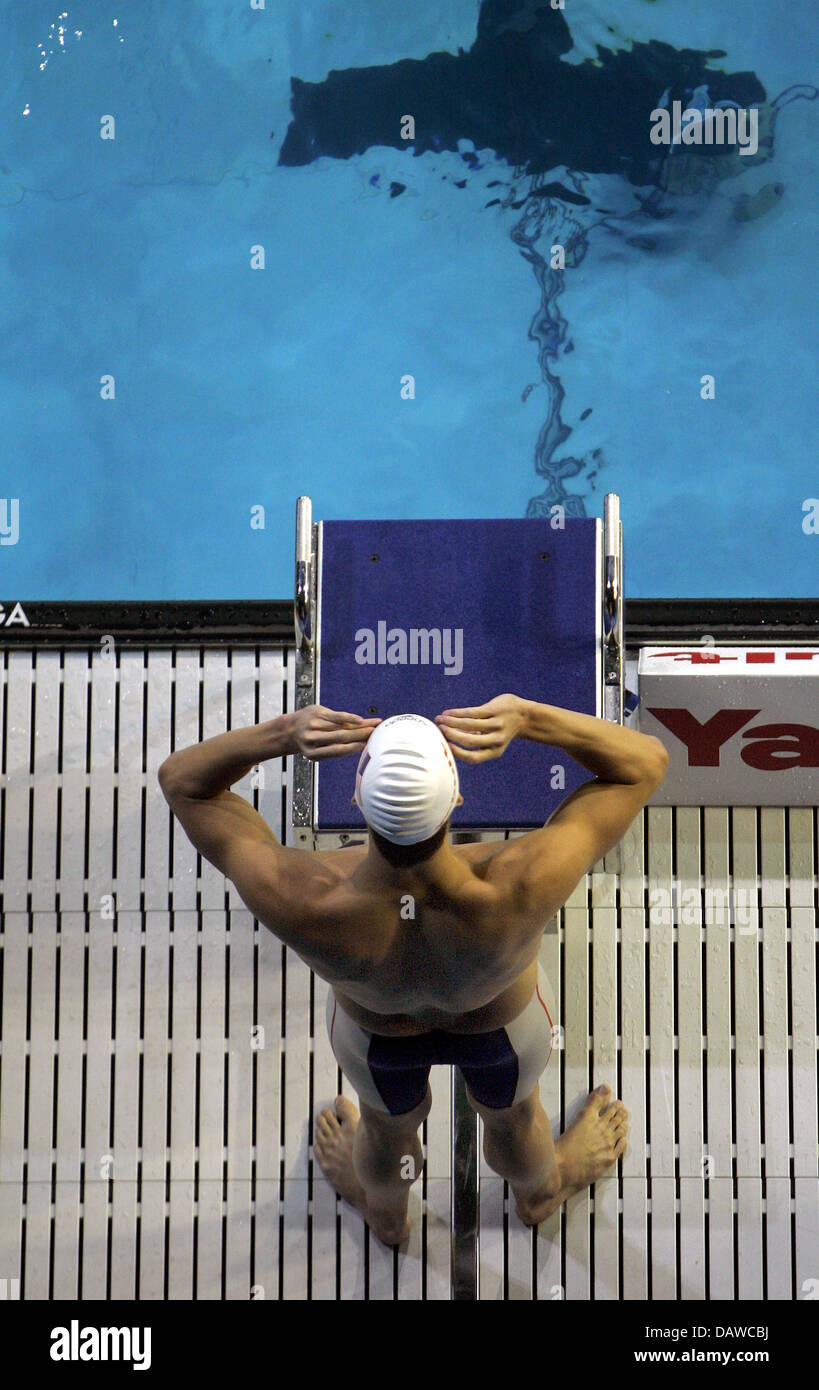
{"type": "Point", "coordinates": [406, 784]}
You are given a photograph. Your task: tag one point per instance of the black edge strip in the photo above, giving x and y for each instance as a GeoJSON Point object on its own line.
{"type": "Point", "coordinates": [253, 621]}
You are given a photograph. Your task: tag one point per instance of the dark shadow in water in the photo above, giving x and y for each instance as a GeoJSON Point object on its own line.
{"type": "Point", "coordinates": [512, 93]}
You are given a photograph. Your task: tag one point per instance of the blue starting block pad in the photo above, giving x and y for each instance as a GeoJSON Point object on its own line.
{"type": "Point", "coordinates": [423, 616]}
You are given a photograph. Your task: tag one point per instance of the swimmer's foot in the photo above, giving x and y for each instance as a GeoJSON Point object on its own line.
{"type": "Point", "coordinates": [584, 1152]}
{"type": "Point", "coordinates": [333, 1147]}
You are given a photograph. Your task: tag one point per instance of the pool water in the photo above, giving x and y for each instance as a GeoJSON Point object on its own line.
{"type": "Point", "coordinates": [255, 286]}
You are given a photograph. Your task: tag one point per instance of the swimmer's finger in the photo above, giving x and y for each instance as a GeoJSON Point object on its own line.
{"type": "Point", "coordinates": [336, 750]}
{"type": "Point", "coordinates": [463, 719]}
{"type": "Point", "coordinates": [468, 740]}
{"type": "Point", "coordinates": [478, 755]}
{"type": "Point", "coordinates": [335, 716]}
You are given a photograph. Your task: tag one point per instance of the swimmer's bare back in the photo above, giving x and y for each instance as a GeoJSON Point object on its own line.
{"type": "Point", "coordinates": [407, 950]}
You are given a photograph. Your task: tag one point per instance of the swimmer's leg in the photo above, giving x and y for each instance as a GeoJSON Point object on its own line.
{"type": "Point", "coordinates": [372, 1159]}
{"type": "Point", "coordinates": [517, 1135]}
{"type": "Point", "coordinates": [518, 1144]}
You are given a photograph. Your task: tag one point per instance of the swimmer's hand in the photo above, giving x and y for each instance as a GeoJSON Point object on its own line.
{"type": "Point", "coordinates": [476, 735]}
{"type": "Point", "coordinates": [320, 733]}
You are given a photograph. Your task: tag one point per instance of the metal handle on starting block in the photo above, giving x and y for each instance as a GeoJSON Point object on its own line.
{"type": "Point", "coordinates": [611, 551]}
{"type": "Point", "coordinates": [304, 574]}
{"type": "Point", "coordinates": [304, 609]}
{"type": "Point", "coordinates": [613, 654]}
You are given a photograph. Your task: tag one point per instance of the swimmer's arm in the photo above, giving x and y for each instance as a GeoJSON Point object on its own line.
{"type": "Point", "coordinates": [224, 827]}
{"type": "Point", "coordinates": [214, 765]}
{"type": "Point", "coordinates": [611, 751]}
{"type": "Point", "coordinates": [543, 867]}
{"type": "Point", "coordinates": [236, 840]}
{"type": "Point", "coordinates": [278, 885]}
{"type": "Point", "coordinates": [208, 768]}
{"type": "Point", "coordinates": [271, 880]}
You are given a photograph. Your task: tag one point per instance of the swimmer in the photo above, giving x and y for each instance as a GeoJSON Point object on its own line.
{"type": "Point", "coordinates": [430, 949]}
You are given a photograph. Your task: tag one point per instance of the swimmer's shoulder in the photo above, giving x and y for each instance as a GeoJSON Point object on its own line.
{"type": "Point", "coordinates": [490, 901]}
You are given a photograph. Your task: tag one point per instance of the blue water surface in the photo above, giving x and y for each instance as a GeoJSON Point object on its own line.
{"type": "Point", "coordinates": [388, 261]}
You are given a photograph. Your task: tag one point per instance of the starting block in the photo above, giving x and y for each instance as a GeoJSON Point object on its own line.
{"type": "Point", "coordinates": [422, 616]}
{"type": "Point", "coordinates": [396, 617]}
